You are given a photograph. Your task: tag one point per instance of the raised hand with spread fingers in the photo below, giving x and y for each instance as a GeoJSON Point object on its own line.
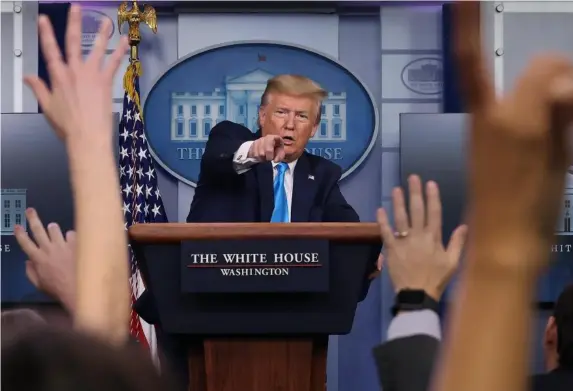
{"type": "Point", "coordinates": [518, 149]}
{"type": "Point", "coordinates": [415, 255]}
{"type": "Point", "coordinates": [51, 258]}
{"type": "Point", "coordinates": [518, 157]}
{"type": "Point", "coordinates": [78, 105]}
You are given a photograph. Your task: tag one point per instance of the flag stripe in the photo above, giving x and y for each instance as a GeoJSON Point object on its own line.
{"type": "Point", "coordinates": [142, 201]}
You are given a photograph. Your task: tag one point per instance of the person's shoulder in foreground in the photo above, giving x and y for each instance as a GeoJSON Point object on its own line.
{"type": "Point", "coordinates": [64, 360]}
{"type": "Point", "coordinates": [556, 380]}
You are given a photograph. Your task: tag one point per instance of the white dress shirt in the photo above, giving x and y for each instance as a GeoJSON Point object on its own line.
{"type": "Point", "coordinates": [407, 324]}
{"type": "Point", "coordinates": [242, 163]}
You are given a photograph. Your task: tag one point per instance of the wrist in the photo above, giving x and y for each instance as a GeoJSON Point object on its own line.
{"type": "Point", "coordinates": [434, 292]}
{"type": "Point", "coordinates": [85, 155]}
{"type": "Point", "coordinates": [79, 145]}
{"type": "Point", "coordinates": [68, 302]}
{"type": "Point", "coordinates": [408, 300]}
{"type": "Point", "coordinates": [250, 154]}
{"type": "Point", "coordinates": [518, 263]}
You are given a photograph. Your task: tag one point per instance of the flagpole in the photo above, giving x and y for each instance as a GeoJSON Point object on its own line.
{"type": "Point", "coordinates": [134, 17]}
{"type": "Point", "coordinates": [132, 126]}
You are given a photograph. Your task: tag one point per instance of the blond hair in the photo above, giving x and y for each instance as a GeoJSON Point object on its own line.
{"type": "Point", "coordinates": [295, 85]}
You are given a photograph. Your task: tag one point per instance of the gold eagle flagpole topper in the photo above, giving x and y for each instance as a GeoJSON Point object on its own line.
{"type": "Point", "coordinates": [134, 17]}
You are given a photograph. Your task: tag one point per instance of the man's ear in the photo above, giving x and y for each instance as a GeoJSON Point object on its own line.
{"type": "Point", "coordinates": [318, 118]}
{"type": "Point", "coordinates": [314, 129]}
{"type": "Point", "coordinates": [262, 115]}
{"type": "Point", "coordinates": [550, 333]}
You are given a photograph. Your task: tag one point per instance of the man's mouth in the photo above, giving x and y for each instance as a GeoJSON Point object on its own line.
{"type": "Point", "coordinates": [287, 140]}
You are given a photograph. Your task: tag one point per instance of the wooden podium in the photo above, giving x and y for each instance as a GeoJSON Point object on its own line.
{"type": "Point", "coordinates": [257, 341]}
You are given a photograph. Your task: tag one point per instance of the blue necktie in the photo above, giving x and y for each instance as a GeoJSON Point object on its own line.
{"type": "Point", "coordinates": [280, 213]}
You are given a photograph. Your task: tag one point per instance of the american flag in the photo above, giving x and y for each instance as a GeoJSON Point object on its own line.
{"type": "Point", "coordinates": [138, 179]}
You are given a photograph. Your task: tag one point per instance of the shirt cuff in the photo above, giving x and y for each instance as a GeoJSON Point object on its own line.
{"type": "Point", "coordinates": [407, 324]}
{"type": "Point", "coordinates": [241, 161]}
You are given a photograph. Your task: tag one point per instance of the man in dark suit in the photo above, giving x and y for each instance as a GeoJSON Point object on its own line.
{"type": "Point", "coordinates": [268, 175]}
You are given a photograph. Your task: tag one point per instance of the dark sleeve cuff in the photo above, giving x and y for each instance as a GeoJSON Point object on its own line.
{"type": "Point", "coordinates": [406, 364]}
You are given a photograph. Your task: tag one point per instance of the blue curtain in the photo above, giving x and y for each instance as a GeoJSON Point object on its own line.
{"type": "Point", "coordinates": [58, 15]}
{"type": "Point", "coordinates": [452, 100]}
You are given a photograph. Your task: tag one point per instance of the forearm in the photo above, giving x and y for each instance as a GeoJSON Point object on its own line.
{"type": "Point", "coordinates": [102, 297]}
{"type": "Point", "coordinates": [488, 347]}
{"type": "Point", "coordinates": [226, 157]}
{"type": "Point", "coordinates": [241, 160]}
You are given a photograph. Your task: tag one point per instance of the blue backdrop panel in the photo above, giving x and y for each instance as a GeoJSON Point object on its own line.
{"type": "Point", "coordinates": [452, 100]}
{"type": "Point", "coordinates": [58, 15]}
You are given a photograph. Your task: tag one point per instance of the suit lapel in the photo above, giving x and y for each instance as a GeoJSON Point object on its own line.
{"type": "Point", "coordinates": [266, 192]}
{"type": "Point", "coordinates": [304, 191]}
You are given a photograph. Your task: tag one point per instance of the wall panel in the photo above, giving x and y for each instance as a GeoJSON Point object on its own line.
{"type": "Point", "coordinates": [411, 61]}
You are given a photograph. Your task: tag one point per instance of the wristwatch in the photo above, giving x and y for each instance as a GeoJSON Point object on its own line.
{"type": "Point", "coordinates": [414, 300]}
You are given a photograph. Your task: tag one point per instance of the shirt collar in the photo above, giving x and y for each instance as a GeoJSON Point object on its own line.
{"type": "Point", "coordinates": [291, 165]}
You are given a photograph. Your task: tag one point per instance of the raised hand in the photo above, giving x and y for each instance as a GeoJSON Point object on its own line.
{"type": "Point", "coordinates": [518, 149]}
{"type": "Point", "coordinates": [79, 100]}
{"type": "Point", "coordinates": [51, 264]}
{"type": "Point", "coordinates": [268, 148]}
{"type": "Point", "coordinates": [415, 255]}
{"type": "Point", "coordinates": [78, 105]}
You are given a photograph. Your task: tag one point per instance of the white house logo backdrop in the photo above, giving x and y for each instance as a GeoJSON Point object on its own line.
{"type": "Point", "coordinates": [564, 221]}
{"type": "Point", "coordinates": [424, 76]}
{"type": "Point", "coordinates": [13, 209]}
{"type": "Point", "coordinates": [227, 82]}
{"type": "Point", "coordinates": [91, 20]}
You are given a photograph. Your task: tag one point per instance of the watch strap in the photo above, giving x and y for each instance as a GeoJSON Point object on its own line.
{"type": "Point", "coordinates": [414, 300]}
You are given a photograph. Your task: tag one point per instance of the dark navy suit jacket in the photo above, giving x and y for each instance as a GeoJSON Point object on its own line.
{"type": "Point", "coordinates": [222, 195]}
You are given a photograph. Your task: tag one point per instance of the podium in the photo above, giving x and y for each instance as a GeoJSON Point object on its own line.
{"type": "Point", "coordinates": [256, 332]}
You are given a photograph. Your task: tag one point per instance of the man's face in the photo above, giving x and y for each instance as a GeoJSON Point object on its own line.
{"type": "Point", "coordinates": [293, 118]}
